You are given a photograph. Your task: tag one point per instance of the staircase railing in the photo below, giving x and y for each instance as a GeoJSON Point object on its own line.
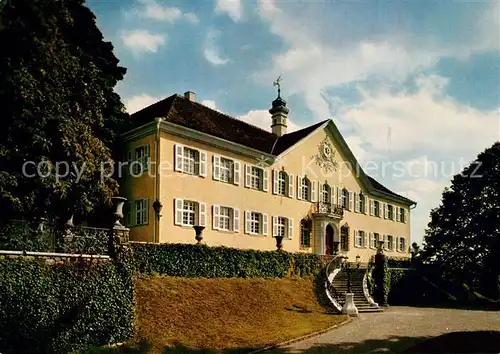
{"type": "Point", "coordinates": [333, 295]}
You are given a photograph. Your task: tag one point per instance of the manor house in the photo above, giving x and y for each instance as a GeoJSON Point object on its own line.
{"type": "Point", "coordinates": [189, 165]}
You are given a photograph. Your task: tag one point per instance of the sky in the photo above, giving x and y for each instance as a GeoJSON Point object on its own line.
{"type": "Point", "coordinates": [413, 86]}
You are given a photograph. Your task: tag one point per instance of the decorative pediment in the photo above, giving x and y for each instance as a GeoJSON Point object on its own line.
{"type": "Point", "coordinates": [325, 158]}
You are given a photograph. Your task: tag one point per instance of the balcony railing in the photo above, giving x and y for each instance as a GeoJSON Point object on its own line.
{"type": "Point", "coordinates": [334, 210]}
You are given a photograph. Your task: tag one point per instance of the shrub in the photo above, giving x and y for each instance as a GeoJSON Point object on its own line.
{"type": "Point", "coordinates": [183, 260]}
{"type": "Point", "coordinates": [64, 307]}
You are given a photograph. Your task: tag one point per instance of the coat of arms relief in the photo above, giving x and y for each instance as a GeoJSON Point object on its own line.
{"type": "Point", "coordinates": [325, 158]}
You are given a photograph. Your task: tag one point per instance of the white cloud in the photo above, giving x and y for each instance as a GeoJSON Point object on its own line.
{"type": "Point", "coordinates": [136, 103]}
{"type": "Point", "coordinates": [191, 18]}
{"type": "Point", "coordinates": [211, 50]}
{"type": "Point", "coordinates": [142, 40]}
{"type": "Point", "coordinates": [262, 119]}
{"type": "Point", "coordinates": [210, 104]}
{"type": "Point", "coordinates": [233, 8]}
{"type": "Point", "coordinates": [150, 9]}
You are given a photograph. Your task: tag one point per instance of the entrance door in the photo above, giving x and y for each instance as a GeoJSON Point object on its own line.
{"type": "Point", "coordinates": [329, 240]}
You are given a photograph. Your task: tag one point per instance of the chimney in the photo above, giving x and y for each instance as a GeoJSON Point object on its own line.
{"type": "Point", "coordinates": [190, 96]}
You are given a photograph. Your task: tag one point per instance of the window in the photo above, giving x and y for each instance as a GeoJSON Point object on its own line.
{"type": "Point", "coordinates": [344, 238]}
{"type": "Point", "coordinates": [402, 244]}
{"type": "Point", "coordinates": [390, 212]}
{"type": "Point", "coordinates": [225, 170]}
{"type": "Point", "coordinates": [189, 213]}
{"type": "Point", "coordinates": [256, 177]}
{"type": "Point", "coordinates": [139, 160]}
{"type": "Point", "coordinates": [375, 208]}
{"type": "Point", "coordinates": [360, 203]}
{"type": "Point", "coordinates": [225, 218]}
{"type": "Point", "coordinates": [373, 239]}
{"type": "Point", "coordinates": [137, 212]}
{"type": "Point", "coordinates": [344, 201]}
{"type": "Point", "coordinates": [305, 233]}
{"type": "Point", "coordinates": [282, 226]}
{"type": "Point", "coordinates": [390, 242]}
{"type": "Point", "coordinates": [359, 238]}
{"type": "Point", "coordinates": [325, 194]}
{"type": "Point", "coordinates": [402, 215]}
{"type": "Point", "coordinates": [306, 188]}
{"type": "Point", "coordinates": [255, 223]}
{"type": "Point", "coordinates": [282, 182]}
{"type": "Point", "coordinates": [189, 164]}
{"type": "Point", "coordinates": [190, 161]}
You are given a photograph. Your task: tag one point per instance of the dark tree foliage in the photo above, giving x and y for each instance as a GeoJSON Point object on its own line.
{"type": "Point", "coordinates": [57, 76]}
{"type": "Point", "coordinates": [464, 233]}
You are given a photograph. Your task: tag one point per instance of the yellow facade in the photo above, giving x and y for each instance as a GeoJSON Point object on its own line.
{"type": "Point", "coordinates": [168, 185]}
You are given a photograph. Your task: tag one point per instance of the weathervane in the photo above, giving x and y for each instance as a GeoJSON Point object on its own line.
{"type": "Point", "coordinates": [277, 83]}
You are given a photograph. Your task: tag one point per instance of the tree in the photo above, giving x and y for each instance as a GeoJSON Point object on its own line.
{"type": "Point", "coordinates": [58, 108]}
{"type": "Point", "coordinates": [463, 235]}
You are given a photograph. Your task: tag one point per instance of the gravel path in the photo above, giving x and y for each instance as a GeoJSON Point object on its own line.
{"type": "Point", "coordinates": [395, 330]}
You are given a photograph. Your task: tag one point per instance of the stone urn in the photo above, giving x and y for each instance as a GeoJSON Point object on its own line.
{"type": "Point", "coordinates": [199, 232]}
{"type": "Point", "coordinates": [279, 242]}
{"type": "Point", "coordinates": [118, 203]}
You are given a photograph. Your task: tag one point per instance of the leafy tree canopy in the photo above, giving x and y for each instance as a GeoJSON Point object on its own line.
{"type": "Point", "coordinates": [57, 76]}
{"type": "Point", "coordinates": [463, 236]}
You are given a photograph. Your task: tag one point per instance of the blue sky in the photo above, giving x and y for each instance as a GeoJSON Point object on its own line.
{"type": "Point", "coordinates": [413, 86]}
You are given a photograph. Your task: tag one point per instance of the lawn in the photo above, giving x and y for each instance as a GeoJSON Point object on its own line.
{"type": "Point", "coordinates": [223, 315]}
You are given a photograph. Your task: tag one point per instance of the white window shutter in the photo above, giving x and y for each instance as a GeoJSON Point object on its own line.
{"type": "Point", "coordinates": [351, 201]}
{"type": "Point", "coordinates": [385, 241]}
{"type": "Point", "coordinates": [371, 234]}
{"type": "Point", "coordinates": [372, 207]}
{"type": "Point", "coordinates": [247, 221]}
{"type": "Point", "coordinates": [314, 190]}
{"type": "Point", "coordinates": [290, 228]}
{"type": "Point", "coordinates": [248, 171]}
{"type": "Point", "coordinates": [356, 202]}
{"type": "Point", "coordinates": [179, 203]}
{"type": "Point", "coordinates": [236, 172]}
{"type": "Point", "coordinates": [406, 216]}
{"type": "Point", "coordinates": [147, 158]}
{"type": "Point", "coordinates": [146, 216]}
{"type": "Point", "coordinates": [367, 240]}
{"type": "Point", "coordinates": [275, 226]}
{"type": "Point", "coordinates": [299, 188]}
{"type": "Point", "coordinates": [236, 220]}
{"type": "Point", "coordinates": [179, 156]}
{"type": "Point", "coordinates": [265, 230]}
{"type": "Point", "coordinates": [384, 211]}
{"type": "Point", "coordinates": [397, 214]}
{"type": "Point", "coordinates": [275, 181]}
{"type": "Point", "coordinates": [216, 168]}
{"type": "Point", "coordinates": [202, 216]}
{"type": "Point", "coordinates": [339, 196]}
{"type": "Point", "coordinates": [380, 211]}
{"type": "Point", "coordinates": [290, 185]}
{"type": "Point", "coordinates": [365, 205]}
{"type": "Point", "coordinates": [265, 180]}
{"type": "Point", "coordinates": [215, 217]}
{"type": "Point", "coordinates": [394, 243]}
{"type": "Point", "coordinates": [203, 163]}
{"type": "Point", "coordinates": [356, 238]}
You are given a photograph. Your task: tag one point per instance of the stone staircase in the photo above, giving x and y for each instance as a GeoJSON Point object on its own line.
{"type": "Point", "coordinates": [340, 287]}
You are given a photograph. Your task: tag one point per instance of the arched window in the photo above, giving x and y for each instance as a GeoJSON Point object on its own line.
{"type": "Point", "coordinates": [282, 182]}
{"type": "Point", "coordinates": [325, 193]}
{"type": "Point", "coordinates": [344, 238]}
{"type": "Point", "coordinates": [305, 233]}
{"type": "Point", "coordinates": [344, 202]}
{"type": "Point", "coordinates": [306, 188]}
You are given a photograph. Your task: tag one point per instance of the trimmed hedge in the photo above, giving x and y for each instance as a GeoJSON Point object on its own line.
{"type": "Point", "coordinates": [190, 261]}
{"type": "Point", "coordinates": [63, 308]}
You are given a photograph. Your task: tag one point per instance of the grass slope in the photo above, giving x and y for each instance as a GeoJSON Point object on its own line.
{"type": "Point", "coordinates": [225, 315]}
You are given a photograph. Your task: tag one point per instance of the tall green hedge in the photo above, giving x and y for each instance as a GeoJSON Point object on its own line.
{"type": "Point", "coordinates": [191, 261]}
{"type": "Point", "coordinates": [63, 308]}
